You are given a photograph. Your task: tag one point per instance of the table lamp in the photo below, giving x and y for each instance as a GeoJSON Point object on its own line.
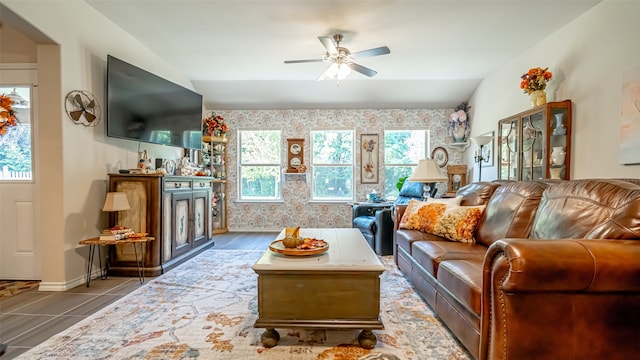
{"type": "Point", "coordinates": [429, 173]}
{"type": "Point", "coordinates": [116, 201]}
{"type": "Point", "coordinates": [481, 141]}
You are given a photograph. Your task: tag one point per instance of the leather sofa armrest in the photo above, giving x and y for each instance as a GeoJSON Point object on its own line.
{"type": "Point", "coordinates": [566, 265]}
{"type": "Point", "coordinates": [560, 299]}
{"type": "Point", "coordinates": [384, 235]}
{"type": "Point", "coordinates": [368, 209]}
{"type": "Point", "coordinates": [398, 211]}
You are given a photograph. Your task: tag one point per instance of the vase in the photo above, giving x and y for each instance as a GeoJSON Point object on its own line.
{"type": "Point", "coordinates": [559, 129]}
{"type": "Point", "coordinates": [538, 97]}
{"type": "Point", "coordinates": [460, 134]}
{"type": "Point", "coordinates": [558, 156]}
{"type": "Point", "coordinates": [555, 172]}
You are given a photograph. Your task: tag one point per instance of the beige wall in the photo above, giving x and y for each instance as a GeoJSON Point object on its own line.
{"type": "Point", "coordinates": [16, 47]}
{"type": "Point", "coordinates": [587, 57]}
{"type": "Point", "coordinates": [74, 160]}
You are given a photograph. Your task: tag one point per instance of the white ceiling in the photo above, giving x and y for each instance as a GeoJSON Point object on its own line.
{"type": "Point", "coordinates": [233, 50]}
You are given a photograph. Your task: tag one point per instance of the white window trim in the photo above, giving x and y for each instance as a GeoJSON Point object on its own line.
{"type": "Point", "coordinates": [239, 165]}
{"type": "Point", "coordinates": [313, 199]}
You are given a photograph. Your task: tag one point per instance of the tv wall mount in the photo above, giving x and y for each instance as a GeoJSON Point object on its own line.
{"type": "Point", "coordinates": [82, 107]}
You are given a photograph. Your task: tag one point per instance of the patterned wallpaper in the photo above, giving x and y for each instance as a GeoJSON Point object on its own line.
{"type": "Point", "coordinates": [296, 210]}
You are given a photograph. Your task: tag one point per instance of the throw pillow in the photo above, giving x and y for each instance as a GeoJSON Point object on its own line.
{"type": "Point", "coordinates": [453, 222]}
{"type": "Point", "coordinates": [411, 189]}
{"type": "Point", "coordinates": [414, 205]}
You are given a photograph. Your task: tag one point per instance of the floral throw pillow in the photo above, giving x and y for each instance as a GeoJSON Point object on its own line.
{"type": "Point", "coordinates": [414, 205]}
{"type": "Point", "coordinates": [453, 222]}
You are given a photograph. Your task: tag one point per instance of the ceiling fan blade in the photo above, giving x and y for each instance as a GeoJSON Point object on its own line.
{"type": "Point", "coordinates": [328, 44]}
{"type": "Point", "coordinates": [363, 70]}
{"type": "Point", "coordinates": [302, 61]}
{"type": "Point", "coordinates": [75, 115]}
{"type": "Point", "coordinates": [91, 104]}
{"type": "Point", "coordinates": [383, 50]}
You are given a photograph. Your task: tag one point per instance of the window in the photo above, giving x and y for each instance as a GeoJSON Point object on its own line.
{"type": "Point", "coordinates": [402, 151]}
{"type": "Point", "coordinates": [332, 165]}
{"type": "Point", "coordinates": [259, 165]}
{"type": "Point", "coordinates": [15, 156]}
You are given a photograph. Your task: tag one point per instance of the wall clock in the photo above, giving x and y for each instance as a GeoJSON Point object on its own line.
{"type": "Point", "coordinates": [82, 107]}
{"type": "Point", "coordinates": [295, 154]}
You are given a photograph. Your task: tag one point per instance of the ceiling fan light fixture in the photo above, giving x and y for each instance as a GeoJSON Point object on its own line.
{"type": "Point", "coordinates": [338, 71]}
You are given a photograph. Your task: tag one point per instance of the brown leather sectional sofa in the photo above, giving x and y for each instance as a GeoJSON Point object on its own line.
{"type": "Point", "coordinates": [554, 272]}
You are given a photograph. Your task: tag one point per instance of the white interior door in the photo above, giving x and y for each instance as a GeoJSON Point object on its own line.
{"type": "Point", "coordinates": [20, 257]}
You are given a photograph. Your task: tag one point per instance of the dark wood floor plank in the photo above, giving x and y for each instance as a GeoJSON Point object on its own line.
{"type": "Point", "coordinates": [244, 240]}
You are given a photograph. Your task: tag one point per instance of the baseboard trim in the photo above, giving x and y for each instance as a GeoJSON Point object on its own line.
{"type": "Point", "coordinates": [67, 285]}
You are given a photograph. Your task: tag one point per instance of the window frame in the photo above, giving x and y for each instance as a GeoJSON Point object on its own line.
{"type": "Point", "coordinates": [29, 176]}
{"type": "Point", "coordinates": [314, 166]}
{"type": "Point", "coordinates": [278, 165]}
{"type": "Point", "coordinates": [386, 165]}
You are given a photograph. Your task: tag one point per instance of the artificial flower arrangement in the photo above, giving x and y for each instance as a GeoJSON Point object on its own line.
{"type": "Point", "coordinates": [7, 115]}
{"type": "Point", "coordinates": [214, 125]}
{"type": "Point", "coordinates": [459, 127]}
{"type": "Point", "coordinates": [535, 79]}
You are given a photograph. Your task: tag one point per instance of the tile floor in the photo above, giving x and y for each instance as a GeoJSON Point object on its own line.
{"type": "Point", "coordinates": [29, 318]}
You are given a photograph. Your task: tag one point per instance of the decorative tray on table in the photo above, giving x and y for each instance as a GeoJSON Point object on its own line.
{"type": "Point", "coordinates": [310, 246]}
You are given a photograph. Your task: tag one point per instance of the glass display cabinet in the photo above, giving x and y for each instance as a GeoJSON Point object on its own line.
{"type": "Point", "coordinates": [536, 144]}
{"type": "Point", "coordinates": [214, 150]}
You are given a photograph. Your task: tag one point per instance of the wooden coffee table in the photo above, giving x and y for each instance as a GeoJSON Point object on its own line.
{"type": "Point", "coordinates": [338, 289]}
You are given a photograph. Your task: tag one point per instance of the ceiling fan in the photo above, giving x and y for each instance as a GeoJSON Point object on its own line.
{"type": "Point", "coordinates": [341, 59]}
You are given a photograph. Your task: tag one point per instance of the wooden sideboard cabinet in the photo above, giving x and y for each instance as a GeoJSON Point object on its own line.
{"type": "Point", "coordinates": [175, 210]}
{"type": "Point", "coordinates": [536, 144]}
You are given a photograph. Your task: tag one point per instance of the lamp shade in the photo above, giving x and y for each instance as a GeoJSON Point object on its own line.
{"type": "Point", "coordinates": [482, 140]}
{"type": "Point", "coordinates": [116, 201]}
{"type": "Point", "coordinates": [427, 171]}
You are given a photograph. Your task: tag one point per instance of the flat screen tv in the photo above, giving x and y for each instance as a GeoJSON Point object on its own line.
{"type": "Point", "coordinates": [145, 107]}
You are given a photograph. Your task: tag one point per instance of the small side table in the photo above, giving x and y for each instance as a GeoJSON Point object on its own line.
{"type": "Point", "coordinates": [96, 242]}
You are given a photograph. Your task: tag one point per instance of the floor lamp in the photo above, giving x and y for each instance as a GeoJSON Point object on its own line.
{"type": "Point", "coordinates": [481, 141]}
{"type": "Point", "coordinates": [429, 173]}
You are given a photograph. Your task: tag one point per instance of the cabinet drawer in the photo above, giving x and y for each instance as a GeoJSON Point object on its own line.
{"type": "Point", "coordinates": [201, 184]}
{"type": "Point", "coordinates": [177, 185]}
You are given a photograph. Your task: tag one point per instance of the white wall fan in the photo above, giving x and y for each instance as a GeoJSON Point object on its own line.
{"type": "Point", "coordinates": [341, 59]}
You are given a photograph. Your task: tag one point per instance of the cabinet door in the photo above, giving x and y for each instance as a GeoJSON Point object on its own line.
{"type": "Point", "coordinates": [509, 145]}
{"type": "Point", "coordinates": [219, 208]}
{"type": "Point", "coordinates": [559, 149]}
{"type": "Point", "coordinates": [180, 217]}
{"type": "Point", "coordinates": [533, 146]}
{"type": "Point", "coordinates": [201, 216]}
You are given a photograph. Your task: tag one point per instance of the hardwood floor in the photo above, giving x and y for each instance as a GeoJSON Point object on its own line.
{"type": "Point", "coordinates": [27, 319]}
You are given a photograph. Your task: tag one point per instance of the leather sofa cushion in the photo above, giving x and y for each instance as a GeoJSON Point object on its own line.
{"type": "Point", "coordinates": [430, 254]}
{"type": "Point", "coordinates": [477, 193]}
{"type": "Point", "coordinates": [588, 209]}
{"type": "Point", "coordinates": [463, 280]}
{"type": "Point", "coordinates": [510, 212]}
{"type": "Point", "coordinates": [404, 238]}
{"type": "Point", "coordinates": [366, 224]}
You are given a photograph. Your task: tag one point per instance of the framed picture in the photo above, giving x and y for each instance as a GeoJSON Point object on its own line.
{"type": "Point", "coordinates": [440, 155]}
{"type": "Point", "coordinates": [369, 158]}
{"type": "Point", "coordinates": [488, 150]}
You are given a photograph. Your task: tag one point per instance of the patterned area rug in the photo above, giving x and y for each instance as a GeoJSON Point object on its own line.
{"type": "Point", "coordinates": [206, 308]}
{"type": "Point", "coordinates": [9, 288]}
